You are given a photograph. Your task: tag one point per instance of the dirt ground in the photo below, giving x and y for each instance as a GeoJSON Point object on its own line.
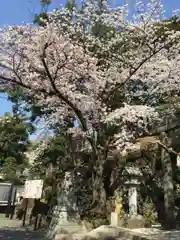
{"type": "Point", "coordinates": [13, 230]}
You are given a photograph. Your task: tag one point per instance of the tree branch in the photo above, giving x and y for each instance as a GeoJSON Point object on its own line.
{"type": "Point", "coordinates": [69, 103]}
{"type": "Point", "coordinates": [120, 85]}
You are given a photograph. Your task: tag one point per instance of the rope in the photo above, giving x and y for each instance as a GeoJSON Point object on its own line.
{"type": "Point", "coordinates": [168, 149]}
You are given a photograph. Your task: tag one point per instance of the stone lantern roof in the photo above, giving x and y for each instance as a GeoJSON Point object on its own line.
{"type": "Point", "coordinates": [132, 171]}
{"type": "Point", "coordinates": [132, 175]}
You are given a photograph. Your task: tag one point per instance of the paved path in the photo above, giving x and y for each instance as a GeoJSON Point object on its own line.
{"type": "Point", "coordinates": [12, 230]}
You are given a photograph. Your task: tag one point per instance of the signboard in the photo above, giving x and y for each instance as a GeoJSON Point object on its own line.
{"type": "Point", "coordinates": [5, 192]}
{"type": "Point", "coordinates": [33, 189]}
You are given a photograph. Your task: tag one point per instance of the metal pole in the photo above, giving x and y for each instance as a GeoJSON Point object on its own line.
{"type": "Point", "coordinates": [9, 201]}
{"type": "Point", "coordinates": [13, 202]}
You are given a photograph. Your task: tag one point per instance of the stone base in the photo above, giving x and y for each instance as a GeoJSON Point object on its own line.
{"type": "Point", "coordinates": [63, 222]}
{"type": "Point", "coordinates": [132, 222]}
{"type": "Point", "coordinates": [127, 221]}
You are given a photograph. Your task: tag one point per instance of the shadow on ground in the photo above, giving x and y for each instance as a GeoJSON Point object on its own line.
{"type": "Point", "coordinates": [18, 234]}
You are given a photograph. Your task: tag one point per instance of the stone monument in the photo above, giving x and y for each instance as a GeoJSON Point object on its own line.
{"type": "Point", "coordinates": [65, 215]}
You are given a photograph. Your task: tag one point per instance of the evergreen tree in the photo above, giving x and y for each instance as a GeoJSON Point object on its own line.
{"type": "Point", "coordinates": [14, 142]}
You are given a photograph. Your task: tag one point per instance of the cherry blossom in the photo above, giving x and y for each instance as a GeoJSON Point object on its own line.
{"type": "Point", "coordinates": [76, 71]}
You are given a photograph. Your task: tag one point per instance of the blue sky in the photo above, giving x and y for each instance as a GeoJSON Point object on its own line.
{"type": "Point", "coordinates": [15, 12]}
{"type": "Point", "coordinates": [19, 11]}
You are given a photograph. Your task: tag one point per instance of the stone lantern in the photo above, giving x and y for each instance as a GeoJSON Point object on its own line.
{"type": "Point", "coordinates": [133, 178]}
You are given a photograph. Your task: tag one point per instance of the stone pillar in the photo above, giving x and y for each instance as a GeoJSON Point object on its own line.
{"type": "Point", "coordinates": [132, 201]}
{"type": "Point", "coordinates": [67, 200]}
{"type": "Point", "coordinates": [132, 196]}
{"type": "Point", "coordinates": [168, 183]}
{"type": "Point", "coordinates": [65, 215]}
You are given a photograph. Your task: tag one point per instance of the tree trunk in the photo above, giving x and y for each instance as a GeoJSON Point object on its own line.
{"type": "Point", "coordinates": [98, 191]}
{"type": "Point", "coordinates": [167, 185]}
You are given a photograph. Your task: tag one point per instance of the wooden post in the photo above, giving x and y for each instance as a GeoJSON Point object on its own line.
{"type": "Point", "coordinates": [36, 222]}
{"type": "Point", "coordinates": [30, 219]}
{"type": "Point", "coordinates": [25, 212]}
{"type": "Point", "coordinates": [35, 213]}
{"type": "Point", "coordinates": [39, 222]}
{"type": "Point", "coordinates": [167, 184]}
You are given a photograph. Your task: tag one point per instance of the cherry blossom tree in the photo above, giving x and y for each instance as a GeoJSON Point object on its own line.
{"type": "Point", "coordinates": [89, 65]}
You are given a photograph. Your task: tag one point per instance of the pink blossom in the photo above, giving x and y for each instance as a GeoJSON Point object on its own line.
{"type": "Point", "coordinates": [56, 63]}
